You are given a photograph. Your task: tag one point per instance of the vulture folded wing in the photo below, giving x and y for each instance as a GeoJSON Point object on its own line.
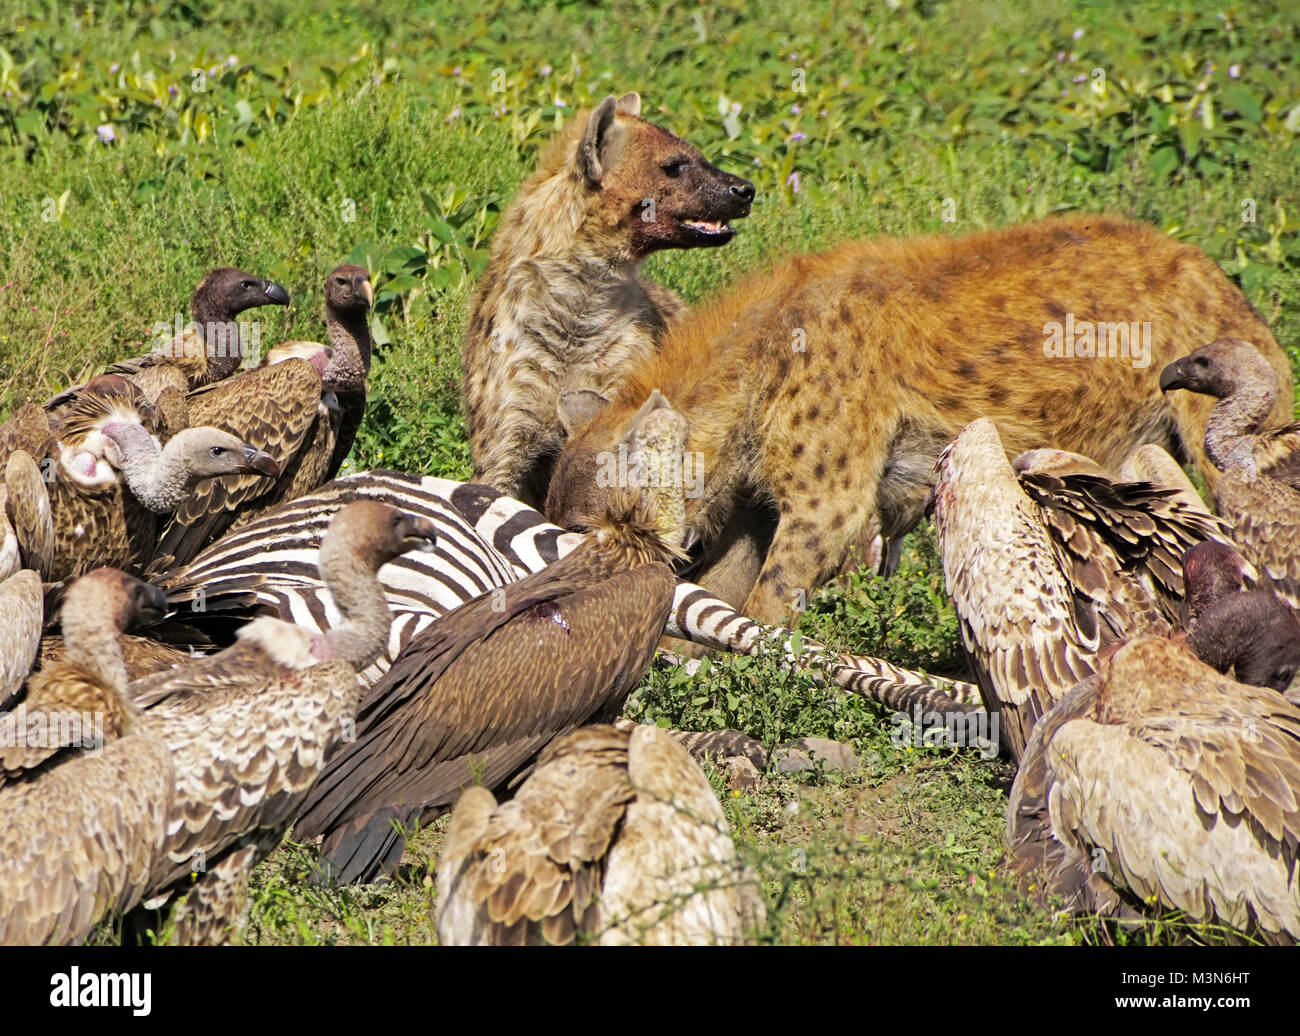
{"type": "Point", "coordinates": [27, 510]}
{"type": "Point", "coordinates": [1133, 813]}
{"type": "Point", "coordinates": [1267, 529]}
{"type": "Point", "coordinates": [245, 757]}
{"type": "Point", "coordinates": [530, 870]}
{"type": "Point", "coordinates": [673, 877]}
{"type": "Point", "coordinates": [77, 844]}
{"type": "Point", "coordinates": [1121, 543]}
{"type": "Point", "coordinates": [274, 408]}
{"type": "Point", "coordinates": [475, 695]}
{"type": "Point", "coordinates": [22, 605]}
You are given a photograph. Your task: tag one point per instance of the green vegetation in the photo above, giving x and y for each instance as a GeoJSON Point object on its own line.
{"type": "Point", "coordinates": [147, 141]}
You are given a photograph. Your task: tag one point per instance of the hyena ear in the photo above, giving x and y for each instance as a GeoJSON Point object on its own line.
{"type": "Point", "coordinates": [602, 137]}
{"type": "Point", "coordinates": [577, 408]}
{"type": "Point", "coordinates": [629, 104]}
{"type": "Point", "coordinates": [657, 426]}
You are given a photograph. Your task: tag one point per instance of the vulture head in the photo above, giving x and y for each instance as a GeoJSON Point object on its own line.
{"type": "Point", "coordinates": [163, 479]}
{"type": "Point", "coordinates": [108, 596]}
{"type": "Point", "coordinates": [225, 292]}
{"type": "Point", "coordinates": [348, 290]}
{"type": "Point", "coordinates": [369, 534]}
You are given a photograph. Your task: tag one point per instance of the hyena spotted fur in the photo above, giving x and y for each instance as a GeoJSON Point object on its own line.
{"type": "Point", "coordinates": [561, 305]}
{"type": "Point", "coordinates": [830, 384]}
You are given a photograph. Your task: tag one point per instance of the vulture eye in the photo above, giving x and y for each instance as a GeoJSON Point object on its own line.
{"type": "Point", "coordinates": [217, 451]}
{"type": "Point", "coordinates": [1285, 675]}
{"type": "Point", "coordinates": [1201, 362]}
{"type": "Point", "coordinates": [248, 285]}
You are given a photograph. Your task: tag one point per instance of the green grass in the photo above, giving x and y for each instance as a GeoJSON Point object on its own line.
{"type": "Point", "coordinates": [319, 133]}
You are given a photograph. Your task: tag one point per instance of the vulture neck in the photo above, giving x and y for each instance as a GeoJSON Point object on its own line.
{"type": "Point", "coordinates": [1229, 433]}
{"type": "Point", "coordinates": [216, 324]}
{"type": "Point", "coordinates": [355, 587]}
{"type": "Point", "coordinates": [161, 479]}
{"type": "Point", "coordinates": [93, 643]}
{"type": "Point", "coordinates": [350, 341]}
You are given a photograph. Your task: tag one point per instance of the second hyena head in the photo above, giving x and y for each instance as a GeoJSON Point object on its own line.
{"type": "Point", "coordinates": [651, 189]}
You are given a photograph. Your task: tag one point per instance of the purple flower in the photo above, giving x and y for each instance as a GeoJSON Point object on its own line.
{"type": "Point", "coordinates": [454, 114]}
{"type": "Point", "coordinates": [1077, 34]}
{"type": "Point", "coordinates": [105, 133]}
{"type": "Point", "coordinates": [113, 68]}
{"type": "Point", "coordinates": [792, 181]}
{"type": "Point", "coordinates": [795, 109]}
{"type": "Point", "coordinates": [561, 104]}
{"type": "Point", "coordinates": [172, 91]}
{"type": "Point", "coordinates": [545, 70]}
{"type": "Point", "coordinates": [798, 136]}
{"type": "Point", "coordinates": [456, 71]}
{"type": "Point", "coordinates": [1060, 55]}
{"type": "Point", "coordinates": [1234, 71]}
{"type": "Point", "coordinates": [232, 61]}
{"type": "Point", "coordinates": [1080, 78]}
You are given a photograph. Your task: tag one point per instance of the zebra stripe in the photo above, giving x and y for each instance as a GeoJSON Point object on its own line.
{"type": "Point", "coordinates": [485, 540]}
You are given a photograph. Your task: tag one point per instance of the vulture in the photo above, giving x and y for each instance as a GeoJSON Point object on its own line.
{"type": "Point", "coordinates": [304, 404]}
{"type": "Point", "coordinates": [1219, 603]}
{"type": "Point", "coordinates": [209, 348]}
{"type": "Point", "coordinates": [249, 728]}
{"type": "Point", "coordinates": [1259, 493]}
{"type": "Point", "coordinates": [80, 830]}
{"type": "Point", "coordinates": [1159, 782]}
{"type": "Point", "coordinates": [481, 691]}
{"type": "Point", "coordinates": [105, 476]}
{"type": "Point", "coordinates": [614, 839]}
{"type": "Point", "coordinates": [1047, 569]}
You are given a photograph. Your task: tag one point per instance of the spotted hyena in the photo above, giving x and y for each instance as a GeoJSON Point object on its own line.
{"type": "Point", "coordinates": [830, 384]}
{"type": "Point", "coordinates": [561, 305]}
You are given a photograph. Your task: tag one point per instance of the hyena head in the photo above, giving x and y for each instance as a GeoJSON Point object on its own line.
{"type": "Point", "coordinates": [602, 461]}
{"type": "Point", "coordinates": [657, 190]}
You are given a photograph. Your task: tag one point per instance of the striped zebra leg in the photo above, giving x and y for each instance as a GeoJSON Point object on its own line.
{"type": "Point", "coordinates": [485, 541]}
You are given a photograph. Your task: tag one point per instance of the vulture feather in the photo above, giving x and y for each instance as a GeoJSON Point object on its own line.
{"type": "Point", "coordinates": [616, 837]}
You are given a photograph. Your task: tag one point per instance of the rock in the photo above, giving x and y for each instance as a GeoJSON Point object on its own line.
{"type": "Point", "coordinates": [742, 775]}
{"type": "Point", "coordinates": [807, 752]}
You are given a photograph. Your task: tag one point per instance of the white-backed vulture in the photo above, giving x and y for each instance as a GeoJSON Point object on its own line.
{"type": "Point", "coordinates": [1046, 569]}
{"type": "Point", "coordinates": [615, 838]}
{"type": "Point", "coordinates": [1259, 493]}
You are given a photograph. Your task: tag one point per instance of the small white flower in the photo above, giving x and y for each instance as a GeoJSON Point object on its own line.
{"type": "Point", "coordinates": [105, 132]}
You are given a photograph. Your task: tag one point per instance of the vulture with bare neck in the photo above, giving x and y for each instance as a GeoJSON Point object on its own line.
{"type": "Point", "coordinates": [1259, 493]}
{"type": "Point", "coordinates": [1159, 783]}
{"type": "Point", "coordinates": [1047, 567]}
{"type": "Point", "coordinates": [304, 405]}
{"type": "Point", "coordinates": [616, 838]}
{"type": "Point", "coordinates": [105, 476]}
{"type": "Point", "coordinates": [80, 831]}
{"type": "Point", "coordinates": [250, 727]}
{"type": "Point", "coordinates": [479, 693]}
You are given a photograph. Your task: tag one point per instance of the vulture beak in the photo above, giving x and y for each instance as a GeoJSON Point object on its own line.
{"type": "Point", "coordinates": [154, 608]}
{"type": "Point", "coordinates": [1171, 377]}
{"type": "Point", "coordinates": [421, 534]}
{"type": "Point", "coordinates": [275, 293]}
{"type": "Point", "coordinates": [258, 463]}
{"type": "Point", "coordinates": [367, 292]}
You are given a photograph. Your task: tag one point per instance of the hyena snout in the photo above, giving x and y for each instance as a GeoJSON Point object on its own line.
{"type": "Point", "coordinates": [699, 201]}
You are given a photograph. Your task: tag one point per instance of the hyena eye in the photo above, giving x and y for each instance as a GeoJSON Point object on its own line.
{"type": "Point", "coordinates": [675, 167]}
